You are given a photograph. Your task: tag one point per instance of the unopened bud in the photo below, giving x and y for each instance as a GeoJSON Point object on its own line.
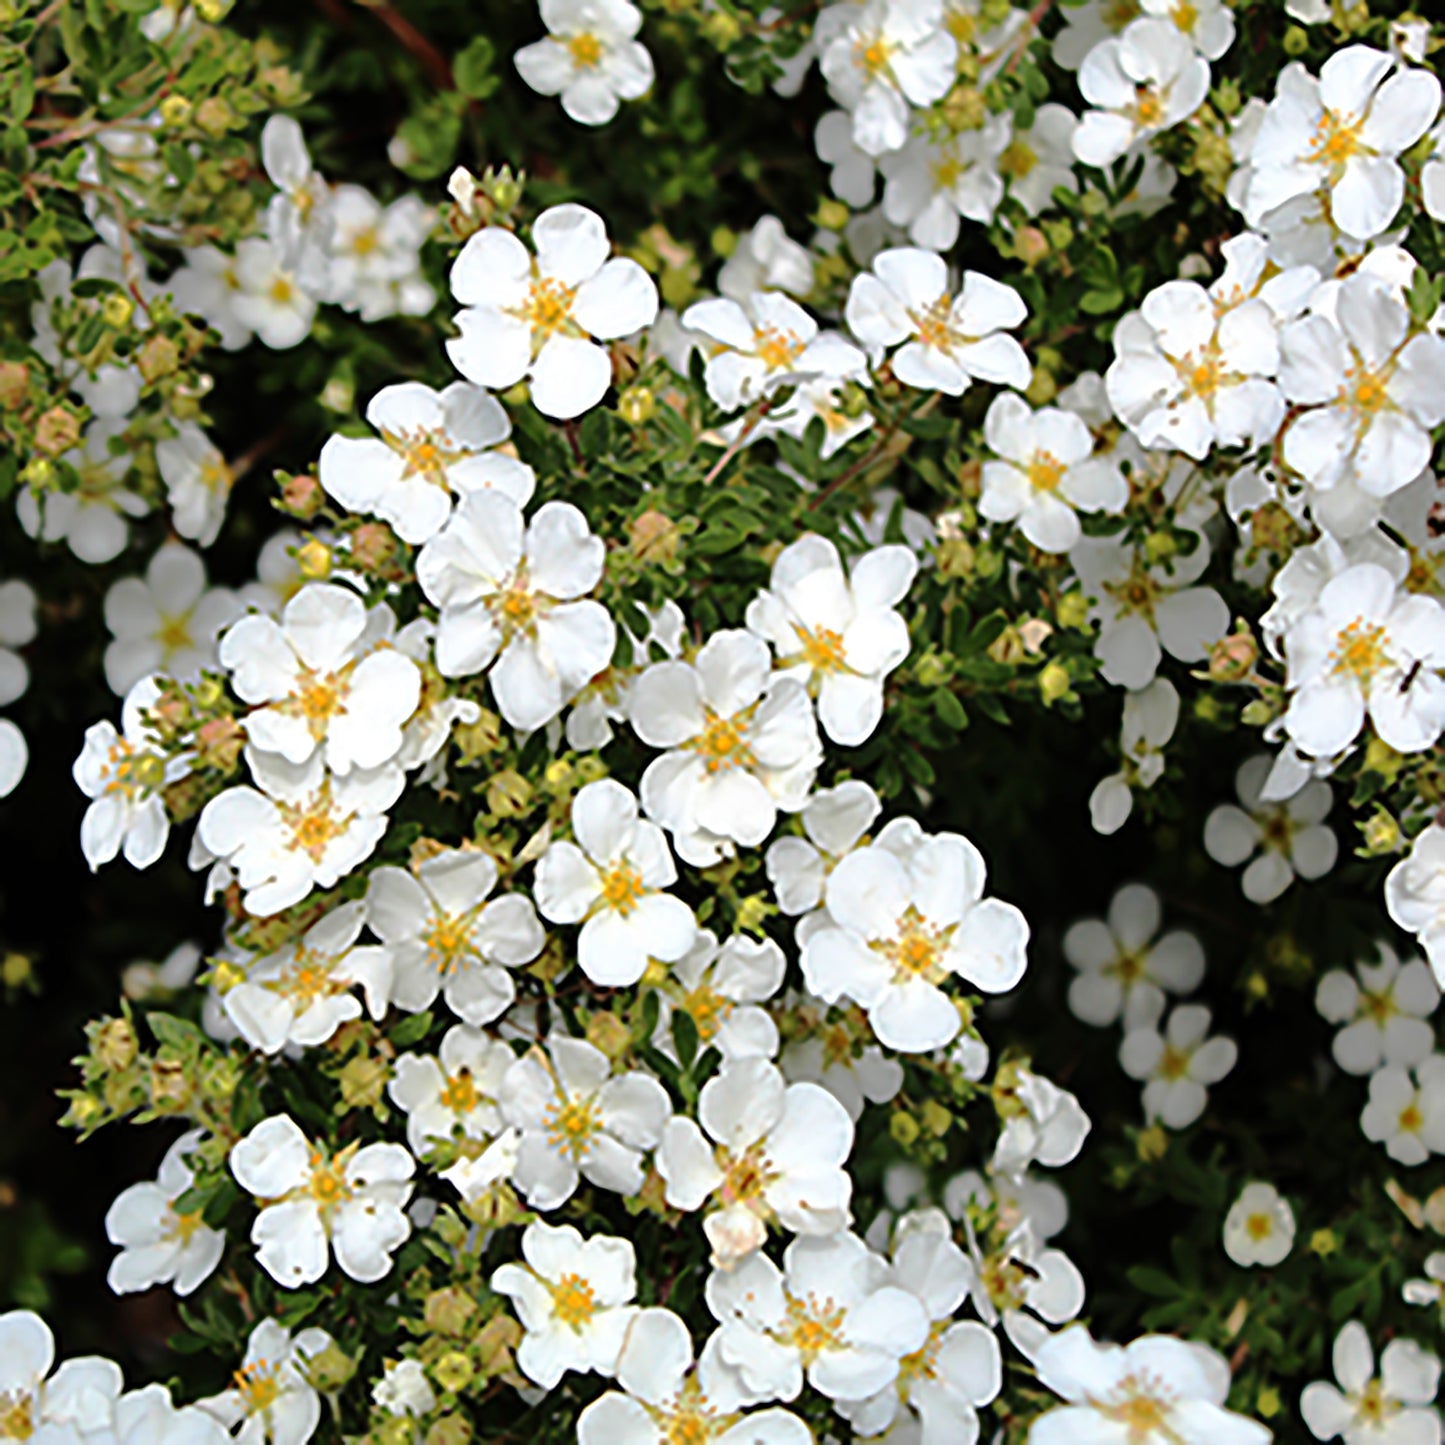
{"type": "Point", "coordinates": [609, 1035]}
{"type": "Point", "coordinates": [448, 1311]}
{"type": "Point", "coordinates": [453, 1371]}
{"type": "Point", "coordinates": [16, 970]}
{"type": "Point", "coordinates": [301, 495]}
{"type": "Point", "coordinates": [1381, 833]}
{"type": "Point", "coordinates": [1054, 683]}
{"type": "Point", "coordinates": [313, 560]}
{"type": "Point", "coordinates": [215, 115]}
{"type": "Point", "coordinates": [1152, 1144]}
{"type": "Point", "coordinates": [116, 310]}
{"type": "Point", "coordinates": [508, 793]}
{"type": "Point", "coordinates": [363, 1082]}
{"type": "Point", "coordinates": [1381, 758]}
{"type": "Point", "coordinates": [832, 215]}
{"type": "Point", "coordinates": [374, 549]}
{"type": "Point", "coordinates": [115, 1044]}
{"type": "Point", "coordinates": [1232, 658]}
{"type": "Point", "coordinates": [1030, 245]}
{"type": "Point", "coordinates": [637, 405]}
{"type": "Point", "coordinates": [160, 356]}
{"type": "Point", "coordinates": [57, 431]}
{"type": "Point", "coordinates": [330, 1370]}
{"type": "Point", "coordinates": [175, 111]}
{"type": "Point", "coordinates": [14, 384]}
{"type": "Point", "coordinates": [653, 537]}
{"type": "Point", "coordinates": [450, 1430]}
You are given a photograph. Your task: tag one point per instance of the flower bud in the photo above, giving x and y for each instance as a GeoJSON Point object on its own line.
{"type": "Point", "coordinates": [832, 215]}
{"type": "Point", "coordinates": [448, 1311]}
{"type": "Point", "coordinates": [301, 495]}
{"type": "Point", "coordinates": [1324, 1242]}
{"type": "Point", "coordinates": [16, 970]}
{"type": "Point", "coordinates": [215, 115]}
{"type": "Point", "coordinates": [1381, 758]}
{"type": "Point", "coordinates": [1152, 1144]}
{"type": "Point", "coordinates": [363, 1082]}
{"type": "Point", "coordinates": [903, 1127]}
{"type": "Point", "coordinates": [1030, 245]}
{"type": "Point", "coordinates": [313, 560]}
{"type": "Point", "coordinates": [637, 405]}
{"type": "Point", "coordinates": [1054, 683]}
{"type": "Point", "coordinates": [609, 1035]}
{"type": "Point", "coordinates": [1381, 834]}
{"type": "Point", "coordinates": [330, 1370]}
{"type": "Point", "coordinates": [450, 1430]}
{"type": "Point", "coordinates": [653, 538]}
{"type": "Point", "coordinates": [116, 310]}
{"type": "Point", "coordinates": [57, 431]}
{"type": "Point", "coordinates": [1232, 658]}
{"type": "Point", "coordinates": [175, 111]}
{"type": "Point", "coordinates": [453, 1372]}
{"type": "Point", "coordinates": [170, 1090]}
{"type": "Point", "coordinates": [508, 793]}
{"type": "Point", "coordinates": [14, 384]}
{"type": "Point", "coordinates": [114, 1044]}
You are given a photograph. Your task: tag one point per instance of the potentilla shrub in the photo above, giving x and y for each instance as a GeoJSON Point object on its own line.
{"type": "Point", "coordinates": [824, 820]}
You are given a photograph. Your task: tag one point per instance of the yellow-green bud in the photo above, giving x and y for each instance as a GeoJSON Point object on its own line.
{"type": "Point", "coordinates": [1042, 387]}
{"type": "Point", "coordinates": [448, 1311]}
{"type": "Point", "coordinates": [1295, 41]}
{"type": "Point", "coordinates": [1152, 1144]}
{"type": "Point", "coordinates": [936, 1119]}
{"type": "Point", "coordinates": [115, 1044]}
{"type": "Point", "coordinates": [637, 405]}
{"type": "Point", "coordinates": [16, 970]}
{"type": "Point", "coordinates": [1324, 1242]}
{"type": "Point", "coordinates": [508, 793]}
{"type": "Point", "coordinates": [450, 1430]}
{"type": "Point", "coordinates": [931, 670]}
{"type": "Point", "coordinates": [752, 910]}
{"type": "Point", "coordinates": [1158, 546]}
{"type": "Point", "coordinates": [175, 111]}
{"type": "Point", "coordinates": [832, 215]}
{"type": "Point", "coordinates": [1073, 611]}
{"type": "Point", "coordinates": [313, 560]}
{"type": "Point", "coordinates": [363, 1082]}
{"type": "Point", "coordinates": [1054, 683]}
{"type": "Point", "coordinates": [475, 740]}
{"type": "Point", "coordinates": [116, 310]}
{"type": "Point", "coordinates": [330, 1370]}
{"type": "Point", "coordinates": [721, 30]}
{"type": "Point", "coordinates": [903, 1127]}
{"type": "Point", "coordinates": [1267, 1404]}
{"type": "Point", "coordinates": [453, 1372]}
{"type": "Point", "coordinates": [1381, 833]}
{"type": "Point", "coordinates": [1381, 758]}
{"type": "Point", "coordinates": [609, 1035]}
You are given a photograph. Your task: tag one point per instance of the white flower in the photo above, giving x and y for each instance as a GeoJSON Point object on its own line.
{"type": "Point", "coordinates": [766, 1150]}
{"type": "Point", "coordinates": [14, 757]}
{"type": "Point", "coordinates": [1150, 715]}
{"type": "Point", "coordinates": [1393, 1407]}
{"type": "Point", "coordinates": [720, 988]}
{"type": "Point", "coordinates": [852, 173]}
{"type": "Point", "coordinates": [1038, 161]}
{"type": "Point", "coordinates": [1366, 648]}
{"type": "Point", "coordinates": [612, 881]}
{"type": "Point", "coordinates": [299, 214]}
{"type": "Point", "coordinates": [458, 1091]}
{"type": "Point", "coordinates": [834, 821]}
{"type": "Point", "coordinates": [206, 285]}
{"type": "Point", "coordinates": [159, 1246]}
{"type": "Point", "coordinates": [1145, 607]}
{"type": "Point", "coordinates": [766, 259]}
{"type": "Point", "coordinates": [1290, 838]}
{"type": "Point", "coordinates": [603, 701]}
{"type": "Point", "coordinates": [844, 417]}
{"type": "Point", "coordinates": [1177, 1066]}
{"type": "Point", "coordinates": [373, 254]}
{"type": "Point", "coordinates": [324, 680]}
{"type": "Point", "coordinates": [900, 926]}
{"type": "Point", "coordinates": [741, 744]}
{"type": "Point", "coordinates": [312, 1202]}
{"type": "Point", "coordinates": [1259, 1228]}
{"type": "Point", "coordinates": [198, 483]}
{"type": "Point", "coordinates": [932, 182]}
{"type": "Point", "coordinates": [91, 520]}
{"type": "Point", "coordinates": [17, 629]}
{"type": "Point", "coordinates": [669, 1399]}
{"type": "Point", "coordinates": [763, 343]}
{"type": "Point", "coordinates": [537, 318]}
{"type": "Point", "coordinates": [273, 1399]}
{"type": "Point", "coordinates": [837, 632]}
{"type": "Point", "coordinates": [275, 300]}
{"type": "Point", "coordinates": [1025, 1287]}
{"type": "Point", "coordinates": [576, 1119]}
{"type": "Point", "coordinates": [1406, 1113]}
{"type": "Point", "coordinates": [302, 994]}
{"type": "Point", "coordinates": [948, 341]}
{"type": "Point", "coordinates": [403, 1389]}
{"type": "Point", "coordinates": [1047, 1126]}
{"type": "Point", "coordinates": [446, 936]}
{"type": "Point", "coordinates": [574, 1299]}
{"type": "Point", "coordinates": [149, 1417]}
{"type": "Point", "coordinates": [1415, 894]}
{"type": "Point", "coordinates": [431, 445]}
{"type": "Point", "coordinates": [591, 58]}
{"type": "Point", "coordinates": [76, 1401]}
{"type": "Point", "coordinates": [829, 1313]}
{"type": "Point", "coordinates": [1144, 81]}
{"type": "Point", "coordinates": [512, 596]}
{"type": "Point", "coordinates": [123, 775]}
{"type": "Point", "coordinates": [1342, 133]}
{"type": "Point", "coordinates": [959, 1368]}
{"type": "Point", "coordinates": [1431, 1289]}
{"type": "Point", "coordinates": [1154, 1391]}
{"type": "Point", "coordinates": [300, 828]}
{"type": "Point", "coordinates": [166, 622]}
{"type": "Point", "coordinates": [879, 58]}
{"type": "Point", "coordinates": [838, 1057]}
{"type": "Point", "coordinates": [1011, 1201]}
{"type": "Point", "coordinates": [1047, 473]}
{"type": "Point", "coordinates": [1382, 1017]}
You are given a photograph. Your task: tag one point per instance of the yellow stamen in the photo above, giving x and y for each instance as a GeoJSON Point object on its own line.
{"type": "Point", "coordinates": [1360, 650]}
{"type": "Point", "coordinates": [585, 49]}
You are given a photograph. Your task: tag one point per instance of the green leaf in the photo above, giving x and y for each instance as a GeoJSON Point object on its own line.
{"type": "Point", "coordinates": [411, 1030]}
{"type": "Point", "coordinates": [684, 1036]}
{"type": "Point", "coordinates": [949, 709]}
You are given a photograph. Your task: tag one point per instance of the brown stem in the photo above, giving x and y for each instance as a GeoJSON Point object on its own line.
{"type": "Point", "coordinates": [738, 442]}
{"type": "Point", "coordinates": [432, 60]}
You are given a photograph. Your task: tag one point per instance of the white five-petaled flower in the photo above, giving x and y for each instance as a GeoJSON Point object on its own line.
{"type": "Point", "coordinates": [542, 317]}
{"type": "Point", "coordinates": [1047, 473]}
{"type": "Point", "coordinates": [74, 1402]}
{"type": "Point", "coordinates": [612, 881]}
{"type": "Point", "coordinates": [157, 1245]}
{"type": "Point", "coordinates": [765, 1150]}
{"type": "Point", "coordinates": [447, 936]}
{"type": "Point", "coordinates": [1365, 648]}
{"type": "Point", "coordinates": [271, 1397]}
{"type": "Point", "coordinates": [300, 828]}
{"type": "Point", "coordinates": [1406, 1112]}
{"type": "Point", "coordinates": [947, 341]}
{"type": "Point", "coordinates": [325, 680]}
{"type": "Point", "coordinates": [1177, 1066]}
{"type": "Point", "coordinates": [668, 1398]}
{"type": "Point", "coordinates": [458, 1091]}
{"type": "Point", "coordinates": [352, 1202]}
{"type": "Point", "coordinates": [513, 599]}
{"type": "Point", "coordinates": [1393, 1407]}
{"type": "Point", "coordinates": [763, 343]}
{"type": "Point", "coordinates": [1139, 83]}
{"type": "Point", "coordinates": [431, 445]}
{"type": "Point", "coordinates": [1342, 134]}
{"type": "Point", "coordinates": [1151, 714]}
{"type": "Point", "coordinates": [720, 988]}
{"type": "Point", "coordinates": [837, 632]}
{"type": "Point", "coordinates": [591, 58]}
{"type": "Point", "coordinates": [1259, 1228]}
{"type": "Point", "coordinates": [574, 1298]}
{"type": "Point", "coordinates": [834, 822]}
{"type": "Point", "coordinates": [1382, 1011]}
{"type": "Point", "coordinates": [297, 216]}
{"type": "Point", "coordinates": [881, 57]}
{"type": "Point", "coordinates": [932, 182]}
{"type": "Point", "coordinates": [830, 1314]}
{"type": "Point", "coordinates": [741, 743]}
{"type": "Point", "coordinates": [577, 1120]}
{"type": "Point", "coordinates": [302, 994]}
{"type": "Point", "coordinates": [902, 925]}
{"type": "Point", "coordinates": [198, 482]}
{"type": "Point", "coordinates": [1152, 1392]}
{"type": "Point", "coordinates": [1284, 840]}
{"type": "Point", "coordinates": [123, 773]}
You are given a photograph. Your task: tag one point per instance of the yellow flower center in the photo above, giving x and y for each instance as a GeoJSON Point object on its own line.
{"type": "Point", "coordinates": [448, 940]}
{"type": "Point", "coordinates": [1379, 1008]}
{"type": "Point", "coordinates": [585, 49]}
{"type": "Point", "coordinates": [1336, 138]}
{"type": "Point", "coordinates": [306, 979]}
{"type": "Point", "coordinates": [722, 743]}
{"type": "Point", "coordinates": [573, 1301]}
{"type": "Point", "coordinates": [460, 1095]}
{"type": "Point", "coordinates": [328, 1186]}
{"type": "Point", "coordinates": [1374, 1406]}
{"type": "Point", "coordinates": [708, 1010]}
{"type": "Point", "coordinates": [1411, 1119]}
{"type": "Point", "coordinates": [571, 1125]}
{"type": "Point", "coordinates": [1259, 1227]}
{"type": "Point", "coordinates": [1148, 108]}
{"type": "Point", "coordinates": [1360, 650]}
{"type": "Point", "coordinates": [777, 350]}
{"type": "Point", "coordinates": [17, 1421]}
{"type": "Point", "coordinates": [947, 171]}
{"type": "Point", "coordinates": [872, 56]}
{"type": "Point", "coordinates": [312, 829]}
{"type": "Point", "coordinates": [1018, 159]}
{"type": "Point", "coordinates": [282, 291]}
{"type": "Point", "coordinates": [1128, 968]}
{"type": "Point", "coordinates": [1005, 1281]}
{"type": "Point", "coordinates": [134, 773]}
{"type": "Point", "coordinates": [813, 1326]}
{"type": "Point", "coordinates": [746, 1176]}
{"type": "Point", "coordinates": [1186, 16]}
{"type": "Point", "coordinates": [216, 476]}
{"type": "Point", "coordinates": [516, 607]}
{"type": "Point", "coordinates": [837, 1045]}
{"type": "Point", "coordinates": [922, 1364]}
{"type": "Point", "coordinates": [822, 648]}
{"type": "Point", "coordinates": [935, 324]}
{"type": "Point", "coordinates": [424, 454]}
{"type": "Point", "coordinates": [1142, 1415]}
{"type": "Point", "coordinates": [548, 309]}
{"type": "Point", "coordinates": [1045, 471]}
{"type": "Point", "coordinates": [365, 241]}
{"type": "Point", "coordinates": [1365, 390]}
{"type": "Point", "coordinates": [623, 888]}
{"type": "Point", "coordinates": [174, 633]}
{"type": "Point", "coordinates": [962, 26]}
{"type": "Point", "coordinates": [187, 1225]}
{"type": "Point", "coordinates": [917, 949]}
{"type": "Point", "coordinates": [1173, 1063]}
{"type": "Point", "coordinates": [257, 1386]}
{"type": "Point", "coordinates": [692, 1425]}
{"type": "Point", "coordinates": [1203, 376]}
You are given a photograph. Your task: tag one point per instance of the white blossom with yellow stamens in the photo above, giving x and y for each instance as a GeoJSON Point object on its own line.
{"type": "Point", "coordinates": [275, 300]}
{"type": "Point", "coordinates": [1177, 1065]}
{"type": "Point", "coordinates": [447, 936]}
{"type": "Point", "coordinates": [512, 596]}
{"type": "Point", "coordinates": [198, 482]}
{"type": "Point", "coordinates": [612, 881]}
{"type": "Point", "coordinates": [299, 828]}
{"type": "Point", "coordinates": [901, 926]}
{"type": "Point", "coordinates": [74, 1402]}
{"type": "Point", "coordinates": [542, 318]}
{"type": "Point", "coordinates": [936, 180]}
{"type": "Point", "coordinates": [837, 632]}
{"type": "Point", "coordinates": [1393, 1405]}
{"type": "Point", "coordinates": [313, 1203]}
{"type": "Point", "coordinates": [577, 1120]}
{"type": "Point", "coordinates": [432, 444]}
{"type": "Point", "coordinates": [271, 1398]}
{"type": "Point", "coordinates": [574, 1297]}
{"type": "Point", "coordinates": [720, 988]}
{"type": "Point", "coordinates": [1259, 1228]}
{"type": "Point", "coordinates": [1382, 1012]}
{"type": "Point", "coordinates": [456, 1092]}
{"type": "Point", "coordinates": [591, 57]}
{"type": "Point", "coordinates": [741, 743]}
